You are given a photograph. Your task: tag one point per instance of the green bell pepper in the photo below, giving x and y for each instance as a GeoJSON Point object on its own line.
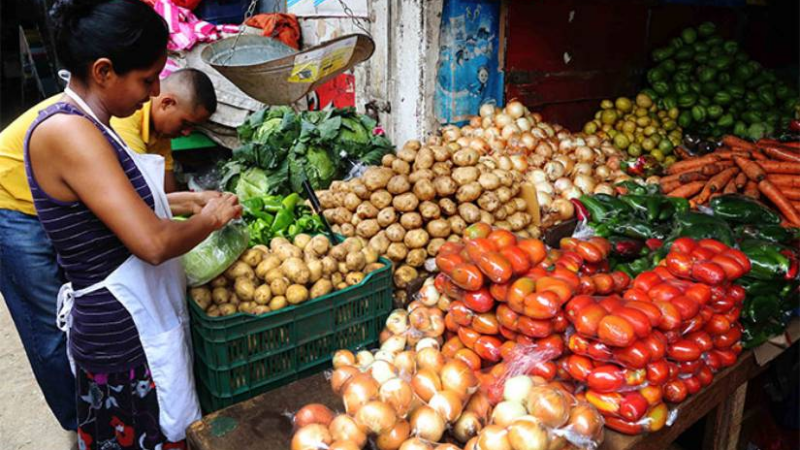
{"type": "Point", "coordinates": [699, 113]}
{"type": "Point", "coordinates": [638, 229]}
{"type": "Point", "coordinates": [766, 260]}
{"type": "Point", "coordinates": [706, 29]}
{"type": "Point", "coordinates": [742, 209]}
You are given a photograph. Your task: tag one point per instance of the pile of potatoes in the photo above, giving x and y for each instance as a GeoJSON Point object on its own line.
{"type": "Point", "coordinates": [265, 279]}
{"type": "Point", "coordinates": [423, 196]}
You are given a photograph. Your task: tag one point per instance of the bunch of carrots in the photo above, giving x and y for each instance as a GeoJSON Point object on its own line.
{"type": "Point", "coordinates": [765, 168]}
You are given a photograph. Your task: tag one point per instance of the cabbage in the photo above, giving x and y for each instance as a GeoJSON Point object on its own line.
{"type": "Point", "coordinates": [216, 253]}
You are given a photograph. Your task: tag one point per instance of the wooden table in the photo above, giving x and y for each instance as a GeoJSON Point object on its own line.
{"type": "Point", "coordinates": [263, 423]}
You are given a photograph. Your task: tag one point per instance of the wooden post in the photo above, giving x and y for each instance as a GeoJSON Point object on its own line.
{"type": "Point", "coordinates": [724, 424]}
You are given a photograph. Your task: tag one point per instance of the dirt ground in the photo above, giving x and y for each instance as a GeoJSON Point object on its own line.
{"type": "Point", "coordinates": [26, 422]}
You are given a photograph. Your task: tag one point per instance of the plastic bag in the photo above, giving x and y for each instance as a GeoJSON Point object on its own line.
{"type": "Point", "coordinates": [216, 253]}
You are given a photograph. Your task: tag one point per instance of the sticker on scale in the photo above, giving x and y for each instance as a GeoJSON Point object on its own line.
{"type": "Point", "coordinates": [315, 65]}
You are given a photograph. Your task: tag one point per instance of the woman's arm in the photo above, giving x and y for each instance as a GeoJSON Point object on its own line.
{"type": "Point", "coordinates": [73, 161]}
{"type": "Point", "coordinates": [188, 203]}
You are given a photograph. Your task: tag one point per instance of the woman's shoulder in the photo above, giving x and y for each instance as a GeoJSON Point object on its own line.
{"type": "Point", "coordinates": [72, 135]}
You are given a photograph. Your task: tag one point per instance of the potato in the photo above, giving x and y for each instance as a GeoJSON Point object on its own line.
{"type": "Point", "coordinates": [506, 178]}
{"type": "Point", "coordinates": [339, 186]}
{"type": "Point", "coordinates": [445, 186]}
{"type": "Point", "coordinates": [368, 228]}
{"type": "Point", "coordinates": [227, 309]}
{"type": "Point", "coordinates": [201, 296]}
{"type": "Point", "coordinates": [354, 244]}
{"type": "Point", "coordinates": [278, 286]}
{"type": "Point", "coordinates": [240, 269]}
{"type": "Point", "coordinates": [397, 251]}
{"type": "Point", "coordinates": [521, 205]}
{"type": "Point", "coordinates": [246, 307]}
{"type": "Point", "coordinates": [510, 208]}
{"type": "Point", "coordinates": [441, 169]}
{"type": "Point", "coordinates": [348, 230]}
{"type": "Point", "coordinates": [287, 251]}
{"type": "Point", "coordinates": [381, 199]}
{"type": "Point", "coordinates": [366, 210]}
{"type": "Point", "coordinates": [320, 288]}
{"type": "Point", "coordinates": [261, 309]}
{"type": "Point", "coordinates": [355, 220]}
{"type": "Point", "coordinates": [504, 195]}
{"type": "Point", "coordinates": [369, 268]}
{"type": "Point", "coordinates": [353, 278]}
{"type": "Point", "coordinates": [412, 144]}
{"type": "Point", "coordinates": [416, 257]}
{"type": "Point", "coordinates": [336, 228]}
{"type": "Point", "coordinates": [395, 232]}
{"type": "Point", "coordinates": [519, 220]}
{"type": "Point", "coordinates": [328, 265]}
{"type": "Point", "coordinates": [377, 177]}
{"type": "Point", "coordinates": [466, 157]}
{"type": "Point", "coordinates": [251, 257]}
{"type": "Point", "coordinates": [387, 216]}
{"type": "Point", "coordinates": [296, 294]}
{"type": "Point", "coordinates": [213, 311]}
{"type": "Point", "coordinates": [244, 288]}
{"type": "Point", "coordinates": [405, 203]}
{"type": "Point", "coordinates": [469, 192]}
{"type": "Point", "coordinates": [407, 154]}
{"type": "Point", "coordinates": [351, 201]}
{"type": "Point", "coordinates": [220, 295]}
{"type": "Point", "coordinates": [487, 217]}
{"type": "Point", "coordinates": [404, 275]}
{"type": "Point", "coordinates": [278, 302]}
{"type": "Point", "coordinates": [448, 206]}
{"type": "Point", "coordinates": [400, 167]}
{"type": "Point", "coordinates": [398, 184]}
{"type": "Point", "coordinates": [469, 212]}
{"type": "Point", "coordinates": [318, 246]}
{"type": "Point", "coordinates": [416, 238]}
{"type": "Point", "coordinates": [515, 188]}
{"type": "Point", "coordinates": [380, 242]}
{"type": "Point", "coordinates": [435, 244]}
{"type": "Point", "coordinates": [341, 286]}
{"type": "Point", "coordinates": [296, 270]}
{"type": "Point", "coordinates": [273, 274]}
{"type": "Point", "coordinates": [315, 268]}
{"type": "Point", "coordinates": [411, 220]}
{"type": "Point", "coordinates": [422, 174]}
{"type": "Point", "coordinates": [337, 278]}
{"type": "Point", "coordinates": [465, 175]}
{"type": "Point", "coordinates": [339, 252]}
{"type": "Point", "coordinates": [440, 153]}
{"type": "Point", "coordinates": [489, 181]}
{"type": "Point", "coordinates": [355, 261]}
{"type": "Point", "coordinates": [454, 238]}
{"type": "Point", "coordinates": [370, 255]}
{"type": "Point", "coordinates": [234, 300]}
{"type": "Point", "coordinates": [268, 263]}
{"type": "Point", "coordinates": [388, 159]}
{"type": "Point", "coordinates": [220, 281]}
{"type": "Point", "coordinates": [342, 268]}
{"type": "Point", "coordinates": [439, 228]}
{"type": "Point", "coordinates": [458, 224]}
{"type": "Point", "coordinates": [359, 188]}
{"type": "Point", "coordinates": [424, 190]}
{"type": "Point", "coordinates": [501, 214]}
{"type": "Point", "coordinates": [424, 159]}
{"type": "Point", "coordinates": [327, 200]}
{"type": "Point", "coordinates": [488, 201]}
{"type": "Point", "coordinates": [262, 295]}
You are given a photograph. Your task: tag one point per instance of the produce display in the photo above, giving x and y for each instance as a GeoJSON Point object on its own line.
{"type": "Point", "coordinates": [266, 279]}
{"type": "Point", "coordinates": [269, 216]}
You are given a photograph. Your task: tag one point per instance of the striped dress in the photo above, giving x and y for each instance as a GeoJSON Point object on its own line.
{"type": "Point", "coordinates": [103, 337]}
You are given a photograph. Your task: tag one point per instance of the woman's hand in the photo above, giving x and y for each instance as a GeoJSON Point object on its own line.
{"type": "Point", "coordinates": [221, 209]}
{"type": "Point", "coordinates": [190, 203]}
{"type": "Point", "coordinates": [201, 199]}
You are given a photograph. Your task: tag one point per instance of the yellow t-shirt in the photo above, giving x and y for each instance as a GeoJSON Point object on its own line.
{"type": "Point", "coordinates": [14, 191]}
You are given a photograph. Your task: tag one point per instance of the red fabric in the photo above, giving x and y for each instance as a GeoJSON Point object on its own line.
{"type": "Point", "coordinates": [283, 27]}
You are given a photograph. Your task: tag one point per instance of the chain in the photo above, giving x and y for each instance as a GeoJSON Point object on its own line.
{"type": "Point", "coordinates": [357, 21]}
{"type": "Point", "coordinates": [251, 9]}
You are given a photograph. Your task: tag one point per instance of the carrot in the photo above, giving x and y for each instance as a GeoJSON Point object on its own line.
{"type": "Point", "coordinates": [729, 154]}
{"type": "Point", "coordinates": [733, 141]}
{"type": "Point", "coordinates": [758, 156]}
{"type": "Point", "coordinates": [670, 185]}
{"type": "Point", "coordinates": [682, 152]}
{"type": "Point", "coordinates": [741, 180]}
{"type": "Point", "coordinates": [780, 167]}
{"type": "Point", "coordinates": [779, 153]}
{"type": "Point", "coordinates": [751, 189]}
{"type": "Point", "coordinates": [713, 169]}
{"type": "Point", "coordinates": [730, 188]}
{"type": "Point", "coordinates": [790, 181]}
{"type": "Point", "coordinates": [791, 146]}
{"type": "Point", "coordinates": [750, 168]}
{"type": "Point", "coordinates": [791, 194]}
{"type": "Point", "coordinates": [687, 190]}
{"type": "Point", "coordinates": [779, 200]}
{"type": "Point", "coordinates": [704, 195]}
{"type": "Point", "coordinates": [691, 164]}
{"type": "Point", "coordinates": [718, 181]}
{"type": "Point", "coordinates": [688, 177]}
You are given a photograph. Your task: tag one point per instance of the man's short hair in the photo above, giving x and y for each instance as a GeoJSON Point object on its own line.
{"type": "Point", "coordinates": [197, 86]}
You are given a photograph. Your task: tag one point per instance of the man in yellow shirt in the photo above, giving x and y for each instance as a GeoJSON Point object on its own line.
{"type": "Point", "coordinates": [29, 273]}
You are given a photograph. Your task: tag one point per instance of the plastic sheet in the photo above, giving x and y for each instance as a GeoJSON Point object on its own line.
{"type": "Point", "coordinates": [216, 253]}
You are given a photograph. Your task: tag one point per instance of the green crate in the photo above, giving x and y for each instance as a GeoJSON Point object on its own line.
{"type": "Point", "coordinates": [240, 356]}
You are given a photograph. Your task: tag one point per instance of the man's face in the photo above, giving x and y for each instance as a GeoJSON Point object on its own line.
{"type": "Point", "coordinates": [177, 118]}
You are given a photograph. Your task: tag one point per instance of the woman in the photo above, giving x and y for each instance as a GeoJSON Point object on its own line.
{"type": "Point", "coordinates": [104, 208]}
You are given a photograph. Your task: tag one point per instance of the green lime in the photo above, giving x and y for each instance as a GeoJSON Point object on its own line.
{"type": "Point", "coordinates": [635, 150]}
{"type": "Point", "coordinates": [590, 128]}
{"type": "Point", "coordinates": [670, 160]}
{"type": "Point", "coordinates": [648, 144]}
{"type": "Point", "coordinates": [658, 155]}
{"type": "Point", "coordinates": [624, 104]}
{"type": "Point", "coordinates": [643, 100]}
{"type": "Point", "coordinates": [621, 141]}
{"type": "Point", "coordinates": [606, 104]}
{"type": "Point", "coordinates": [609, 116]}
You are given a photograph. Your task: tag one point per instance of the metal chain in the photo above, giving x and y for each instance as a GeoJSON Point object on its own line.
{"type": "Point", "coordinates": [357, 21]}
{"type": "Point", "coordinates": [251, 9]}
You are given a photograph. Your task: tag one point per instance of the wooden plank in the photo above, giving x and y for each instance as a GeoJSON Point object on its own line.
{"type": "Point", "coordinates": [724, 424]}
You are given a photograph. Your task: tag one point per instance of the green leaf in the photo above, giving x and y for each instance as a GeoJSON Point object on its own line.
{"type": "Point", "coordinates": [329, 129]}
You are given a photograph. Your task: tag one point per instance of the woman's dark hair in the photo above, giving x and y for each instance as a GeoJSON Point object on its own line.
{"type": "Point", "coordinates": [128, 32]}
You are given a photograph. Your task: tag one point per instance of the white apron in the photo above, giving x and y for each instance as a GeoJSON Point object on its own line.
{"type": "Point", "coordinates": [155, 297]}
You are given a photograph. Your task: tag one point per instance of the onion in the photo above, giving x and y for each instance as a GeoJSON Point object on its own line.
{"type": "Point", "coordinates": [491, 133]}
{"type": "Point", "coordinates": [312, 437]}
{"type": "Point", "coordinates": [385, 334]}
{"type": "Point", "coordinates": [344, 445]}
{"type": "Point", "coordinates": [497, 145]}
{"type": "Point", "coordinates": [394, 438]}
{"type": "Point", "coordinates": [397, 322]}
{"type": "Point", "coordinates": [457, 376]}
{"type": "Point", "coordinates": [528, 141]}
{"type": "Point", "coordinates": [385, 355]}
{"type": "Point", "coordinates": [420, 318]}
{"type": "Point", "coordinates": [479, 404]}
{"type": "Point", "coordinates": [502, 120]}
{"type": "Point", "coordinates": [523, 123]}
{"type": "Point", "coordinates": [582, 168]}
{"type": "Point", "coordinates": [427, 424]}
{"type": "Point", "coordinates": [563, 208]}
{"type": "Point", "coordinates": [341, 376]}
{"type": "Point", "coordinates": [565, 161]}
{"type": "Point", "coordinates": [448, 404]}
{"type": "Point", "coordinates": [406, 362]}
{"type": "Point", "coordinates": [585, 183]}
{"type": "Point", "coordinates": [376, 417]}
{"type": "Point", "coordinates": [475, 122]}
{"type": "Point", "coordinates": [519, 162]}
{"type": "Point", "coordinates": [549, 405]}
{"type": "Point", "coordinates": [506, 412]}
{"type": "Point", "coordinates": [509, 130]}
{"type": "Point", "coordinates": [515, 109]}
{"type": "Point", "coordinates": [343, 358]}
{"type": "Point", "coordinates": [504, 163]}
{"type": "Point", "coordinates": [383, 371]}
{"type": "Point", "coordinates": [544, 149]}
{"type": "Point", "coordinates": [472, 444]}
{"type": "Point", "coordinates": [593, 140]}
{"type": "Point", "coordinates": [313, 413]}
{"type": "Point", "coordinates": [537, 160]}
{"type": "Point", "coordinates": [547, 129]}
{"type": "Point", "coordinates": [478, 132]}
{"type": "Point", "coordinates": [425, 343]}
{"type": "Point", "coordinates": [544, 199]}
{"type": "Point", "coordinates": [554, 170]}
{"type": "Point", "coordinates": [538, 133]}
{"type": "Point", "coordinates": [364, 358]}
{"type": "Point", "coordinates": [429, 295]}
{"type": "Point", "coordinates": [451, 133]}
{"type": "Point", "coordinates": [602, 173]}
{"type": "Point", "coordinates": [345, 428]}
{"type": "Point", "coordinates": [562, 184]}
{"type": "Point", "coordinates": [571, 193]}
{"type": "Point", "coordinates": [517, 388]}
{"type": "Point", "coordinates": [493, 437]}
{"type": "Point", "coordinates": [463, 141]}
{"type": "Point", "coordinates": [426, 383]}
{"type": "Point", "coordinates": [603, 188]}
{"type": "Point", "coordinates": [653, 179]}
{"type": "Point", "coordinates": [621, 177]}
{"type": "Point", "coordinates": [479, 145]}
{"type": "Point", "coordinates": [415, 444]}
{"type": "Point", "coordinates": [527, 433]}
{"type": "Point", "coordinates": [359, 391]}
{"type": "Point", "coordinates": [446, 447]}
{"type": "Point", "coordinates": [430, 358]}
{"type": "Point", "coordinates": [398, 394]}
{"type": "Point", "coordinates": [537, 176]}
{"type": "Point", "coordinates": [467, 426]}
{"type": "Point", "coordinates": [444, 303]}
{"type": "Point", "coordinates": [584, 154]}
{"type": "Point", "coordinates": [487, 110]}
{"type": "Point", "coordinates": [395, 344]}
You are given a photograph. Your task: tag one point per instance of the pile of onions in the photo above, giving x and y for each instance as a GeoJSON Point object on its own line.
{"type": "Point", "coordinates": [559, 164]}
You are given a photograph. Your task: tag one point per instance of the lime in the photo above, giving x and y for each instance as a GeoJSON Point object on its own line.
{"type": "Point", "coordinates": [674, 113]}
{"type": "Point", "coordinates": [648, 144]}
{"type": "Point", "coordinates": [611, 132]}
{"type": "Point", "coordinates": [621, 141]}
{"type": "Point", "coordinates": [665, 146]}
{"type": "Point", "coordinates": [670, 125]}
{"type": "Point", "coordinates": [628, 126]}
{"type": "Point", "coordinates": [624, 104]}
{"type": "Point", "coordinates": [670, 160]}
{"type": "Point", "coordinates": [658, 155]}
{"type": "Point", "coordinates": [606, 104]}
{"type": "Point", "coordinates": [643, 100]}
{"type": "Point", "coordinates": [606, 127]}
{"type": "Point", "coordinates": [641, 112]}
{"type": "Point", "coordinates": [649, 130]}
{"type": "Point", "coordinates": [590, 128]}
{"type": "Point", "coordinates": [643, 121]}
{"type": "Point", "coordinates": [635, 150]}
{"type": "Point", "coordinates": [598, 114]}
{"type": "Point", "coordinates": [609, 116]}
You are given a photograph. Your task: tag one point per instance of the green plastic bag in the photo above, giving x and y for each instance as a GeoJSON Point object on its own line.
{"type": "Point", "coordinates": [216, 253]}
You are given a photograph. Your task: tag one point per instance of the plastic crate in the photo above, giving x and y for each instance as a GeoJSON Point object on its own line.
{"type": "Point", "coordinates": [240, 356]}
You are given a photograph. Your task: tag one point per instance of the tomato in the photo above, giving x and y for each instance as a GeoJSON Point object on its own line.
{"type": "Point", "coordinates": [468, 336]}
{"type": "Point", "coordinates": [672, 336]}
{"type": "Point", "coordinates": [650, 310]}
{"type": "Point", "coordinates": [534, 328]}
{"type": "Point", "coordinates": [579, 367]}
{"type": "Point", "coordinates": [690, 367]}
{"type": "Point", "coordinates": [576, 304]}
{"type": "Point", "coordinates": [722, 305]}
{"type": "Point", "coordinates": [571, 278]}
{"type": "Point", "coordinates": [542, 305]}
{"type": "Point", "coordinates": [657, 372]}
{"type": "Point", "coordinates": [683, 350]}
{"type": "Point", "coordinates": [737, 348]}
{"type": "Point", "coordinates": [704, 375]}
{"type": "Point", "coordinates": [635, 356]}
{"type": "Point", "coordinates": [486, 323]}
{"type": "Point", "coordinates": [675, 391]}
{"type": "Point", "coordinates": [625, 426]}
{"type": "Point", "coordinates": [519, 289]}
{"type": "Point", "coordinates": [467, 276]}
{"type": "Point", "coordinates": [740, 257]}
{"type": "Point", "coordinates": [559, 287]}
{"type": "Point", "coordinates": [638, 319]}
{"type": "Point", "coordinates": [718, 324]}
{"type": "Point", "coordinates": [508, 333]}
{"type": "Point", "coordinates": [737, 293]}
{"type": "Point", "coordinates": [683, 245]}
{"type": "Point", "coordinates": [670, 316]}
{"type": "Point", "coordinates": [732, 268]}
{"type": "Point", "coordinates": [713, 361]}
{"type": "Point", "coordinates": [702, 254]}
{"type": "Point", "coordinates": [568, 244]}
{"type": "Point", "coordinates": [570, 261]}
{"type": "Point", "coordinates": [468, 357]}
{"type": "Point", "coordinates": [524, 340]}
{"type": "Point", "coordinates": [480, 301]}
{"type": "Point", "coordinates": [733, 314]}
{"type": "Point", "coordinates": [520, 263]}
{"type": "Point", "coordinates": [586, 286]}
{"type": "Point", "coordinates": [693, 385]}
{"type": "Point", "coordinates": [713, 244]}
{"type": "Point", "coordinates": [554, 343]}
{"type": "Point", "coordinates": [445, 285]}
{"type": "Point", "coordinates": [544, 369]}
{"type": "Point", "coordinates": [488, 348]}
{"type": "Point", "coordinates": [560, 322]}
{"type": "Point", "coordinates": [506, 317]}
{"type": "Point", "coordinates": [636, 295]}
{"type": "Point", "coordinates": [502, 238]}
{"type": "Point", "coordinates": [634, 405]}
{"type": "Point", "coordinates": [728, 338]}
{"type": "Point", "coordinates": [606, 403]}
{"type": "Point", "coordinates": [450, 247]}
{"type": "Point", "coordinates": [478, 246]}
{"type": "Point", "coordinates": [448, 261]}
{"type": "Point", "coordinates": [610, 303]}
{"type": "Point", "coordinates": [646, 280]}
{"type": "Point", "coordinates": [616, 331]}
{"type": "Point", "coordinates": [679, 264]}
{"type": "Point", "coordinates": [656, 345]}
{"type": "Point", "coordinates": [621, 280]}
{"type": "Point", "coordinates": [460, 313]}
{"type": "Point", "coordinates": [602, 244]}
{"type": "Point", "coordinates": [604, 283]}
{"type": "Point", "coordinates": [702, 339]}
{"type": "Point", "coordinates": [450, 347]}
{"type": "Point", "coordinates": [687, 307]}
{"type": "Point", "coordinates": [589, 252]}
{"type": "Point", "coordinates": [692, 325]}
{"type": "Point", "coordinates": [534, 248]}
{"type": "Point", "coordinates": [653, 394]}
{"type": "Point", "coordinates": [699, 293]}
{"type": "Point", "coordinates": [495, 266]}
{"type": "Point", "coordinates": [450, 323]}
{"type": "Point", "coordinates": [663, 292]}
{"type": "Point", "coordinates": [477, 230]}
{"type": "Point", "coordinates": [708, 272]}
{"type": "Point", "coordinates": [606, 378]}
{"type": "Point", "coordinates": [665, 274]}
{"type": "Point", "coordinates": [587, 321]}
{"type": "Point", "coordinates": [727, 357]}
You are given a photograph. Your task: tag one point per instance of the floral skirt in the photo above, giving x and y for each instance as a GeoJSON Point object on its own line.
{"type": "Point", "coordinates": [119, 411]}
